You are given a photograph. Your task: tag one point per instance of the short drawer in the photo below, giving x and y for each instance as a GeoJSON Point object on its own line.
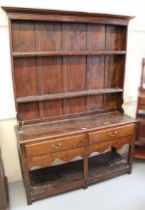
{"type": "Point", "coordinates": [49, 159]}
{"type": "Point", "coordinates": [109, 134]}
{"type": "Point", "coordinates": [117, 143]}
{"type": "Point", "coordinates": [54, 145]}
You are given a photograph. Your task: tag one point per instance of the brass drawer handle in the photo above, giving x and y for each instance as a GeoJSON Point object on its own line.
{"type": "Point", "coordinates": [112, 133]}
{"type": "Point", "coordinates": [56, 146]}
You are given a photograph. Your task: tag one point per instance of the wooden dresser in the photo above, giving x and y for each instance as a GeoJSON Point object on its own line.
{"type": "Point", "coordinates": [68, 73]}
{"type": "Point", "coordinates": [3, 187]}
{"type": "Point", "coordinates": [140, 115]}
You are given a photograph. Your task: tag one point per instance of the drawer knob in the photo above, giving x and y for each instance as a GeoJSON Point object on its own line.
{"type": "Point", "coordinates": [112, 133]}
{"type": "Point", "coordinates": [56, 146]}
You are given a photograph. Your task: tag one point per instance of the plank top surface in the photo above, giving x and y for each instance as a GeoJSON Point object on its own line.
{"type": "Point", "coordinates": [72, 126]}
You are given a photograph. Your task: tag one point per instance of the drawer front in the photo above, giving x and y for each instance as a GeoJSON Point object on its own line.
{"type": "Point", "coordinates": [117, 143]}
{"type": "Point", "coordinates": [109, 134]}
{"type": "Point", "coordinates": [49, 159]}
{"type": "Point", "coordinates": [54, 145]}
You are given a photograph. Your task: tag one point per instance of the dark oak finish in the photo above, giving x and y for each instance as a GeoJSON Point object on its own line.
{"type": "Point", "coordinates": [140, 115]}
{"type": "Point", "coordinates": [68, 72]}
{"type": "Point", "coordinates": [4, 204]}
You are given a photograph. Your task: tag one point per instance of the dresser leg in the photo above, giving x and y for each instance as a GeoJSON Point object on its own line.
{"type": "Point", "coordinates": [85, 166]}
{"type": "Point", "coordinates": [130, 170]}
{"type": "Point", "coordinates": [26, 181]}
{"type": "Point", "coordinates": [85, 186]}
{"type": "Point", "coordinates": [25, 174]}
{"type": "Point", "coordinates": [130, 157]}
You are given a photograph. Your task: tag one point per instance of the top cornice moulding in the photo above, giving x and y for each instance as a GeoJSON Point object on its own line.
{"type": "Point", "coordinates": [60, 15]}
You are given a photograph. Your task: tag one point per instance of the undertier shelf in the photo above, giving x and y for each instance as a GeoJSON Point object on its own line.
{"type": "Point", "coordinates": [105, 166]}
{"type": "Point", "coordinates": [57, 176]}
{"type": "Point", "coordinates": [68, 176]}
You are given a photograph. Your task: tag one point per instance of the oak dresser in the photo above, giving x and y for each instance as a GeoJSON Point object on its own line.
{"type": "Point", "coordinates": [68, 74]}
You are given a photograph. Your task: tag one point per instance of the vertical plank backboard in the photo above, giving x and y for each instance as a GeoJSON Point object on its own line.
{"type": "Point", "coordinates": [23, 36]}
{"type": "Point", "coordinates": [95, 37]}
{"type": "Point", "coordinates": [74, 71]}
{"type": "Point", "coordinates": [114, 71]}
{"type": "Point", "coordinates": [48, 36]}
{"type": "Point", "coordinates": [115, 37]}
{"type": "Point", "coordinates": [95, 67]}
{"type": "Point", "coordinates": [28, 111]}
{"type": "Point", "coordinates": [53, 108]}
{"type": "Point", "coordinates": [74, 36]}
{"type": "Point", "coordinates": [52, 75]}
{"type": "Point", "coordinates": [94, 102]}
{"type": "Point", "coordinates": [25, 77]}
{"type": "Point", "coordinates": [74, 105]}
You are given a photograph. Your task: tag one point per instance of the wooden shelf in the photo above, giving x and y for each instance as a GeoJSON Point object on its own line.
{"type": "Point", "coordinates": [58, 175]}
{"type": "Point", "coordinates": [48, 179]}
{"type": "Point", "coordinates": [68, 95]}
{"type": "Point", "coordinates": [101, 167]}
{"type": "Point", "coordinates": [67, 53]}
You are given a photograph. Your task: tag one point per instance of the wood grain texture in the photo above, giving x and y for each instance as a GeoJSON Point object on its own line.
{"type": "Point", "coordinates": [28, 111]}
{"type": "Point", "coordinates": [54, 145]}
{"type": "Point", "coordinates": [52, 75]}
{"type": "Point", "coordinates": [115, 38]}
{"type": "Point", "coordinates": [114, 70]}
{"type": "Point", "coordinates": [74, 105]}
{"type": "Point", "coordinates": [95, 37]}
{"type": "Point", "coordinates": [110, 134]}
{"type": "Point", "coordinates": [53, 108]}
{"type": "Point", "coordinates": [68, 53]}
{"type": "Point", "coordinates": [112, 101]}
{"type": "Point", "coordinates": [48, 36]}
{"type": "Point", "coordinates": [116, 143]}
{"type": "Point", "coordinates": [25, 77]}
{"type": "Point", "coordinates": [94, 102]}
{"type": "Point", "coordinates": [96, 69]}
{"type": "Point", "coordinates": [71, 126]}
{"type": "Point", "coordinates": [74, 37]}
{"type": "Point", "coordinates": [23, 36]}
{"type": "Point", "coordinates": [15, 13]}
{"type": "Point", "coordinates": [74, 69]}
{"type": "Point", "coordinates": [45, 97]}
{"type": "Point", "coordinates": [48, 159]}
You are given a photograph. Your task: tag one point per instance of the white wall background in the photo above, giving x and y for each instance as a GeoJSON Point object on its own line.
{"type": "Point", "coordinates": [136, 51]}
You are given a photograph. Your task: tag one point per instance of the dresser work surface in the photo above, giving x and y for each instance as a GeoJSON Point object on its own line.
{"type": "Point", "coordinates": [71, 126]}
